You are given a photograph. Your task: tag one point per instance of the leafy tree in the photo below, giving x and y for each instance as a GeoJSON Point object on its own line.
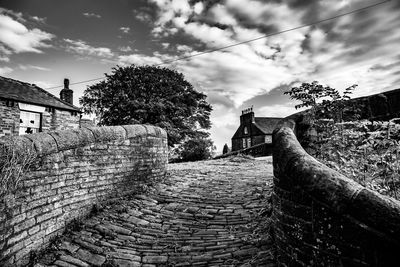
{"type": "Point", "coordinates": [225, 149]}
{"type": "Point", "coordinates": [150, 95]}
{"type": "Point", "coordinates": [196, 149]}
{"type": "Point", "coordinates": [325, 101]}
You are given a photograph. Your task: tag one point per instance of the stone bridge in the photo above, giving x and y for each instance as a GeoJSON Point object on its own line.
{"type": "Point", "coordinates": [209, 213]}
{"type": "Point", "coordinates": [105, 196]}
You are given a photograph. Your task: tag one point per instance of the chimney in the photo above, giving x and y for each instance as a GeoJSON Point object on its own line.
{"type": "Point", "coordinates": [247, 116]}
{"type": "Point", "coordinates": [66, 94]}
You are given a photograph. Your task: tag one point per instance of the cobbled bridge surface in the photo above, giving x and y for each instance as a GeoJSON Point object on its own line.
{"type": "Point", "coordinates": [208, 213]}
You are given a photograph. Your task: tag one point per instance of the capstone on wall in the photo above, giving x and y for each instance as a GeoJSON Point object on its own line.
{"type": "Point", "coordinates": [74, 170]}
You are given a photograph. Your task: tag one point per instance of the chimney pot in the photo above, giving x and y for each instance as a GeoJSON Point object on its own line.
{"type": "Point", "coordinates": [66, 83]}
{"type": "Point", "coordinates": [66, 94]}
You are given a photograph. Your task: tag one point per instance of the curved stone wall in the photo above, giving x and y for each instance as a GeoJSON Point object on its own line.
{"type": "Point", "coordinates": [259, 150]}
{"type": "Point", "coordinates": [322, 218]}
{"type": "Point", "coordinates": [74, 170]}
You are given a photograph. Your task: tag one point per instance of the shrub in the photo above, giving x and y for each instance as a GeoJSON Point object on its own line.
{"type": "Point", "coordinates": [225, 149]}
{"type": "Point", "coordinates": [368, 152]}
{"type": "Point", "coordinates": [15, 159]}
{"type": "Point", "coordinates": [196, 149]}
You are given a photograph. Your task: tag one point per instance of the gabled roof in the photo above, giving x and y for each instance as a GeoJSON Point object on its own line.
{"type": "Point", "coordinates": [260, 126]}
{"type": "Point", "coordinates": [266, 124]}
{"type": "Point", "coordinates": [31, 94]}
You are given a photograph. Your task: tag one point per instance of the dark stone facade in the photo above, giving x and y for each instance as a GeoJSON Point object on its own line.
{"type": "Point", "coordinates": [253, 130]}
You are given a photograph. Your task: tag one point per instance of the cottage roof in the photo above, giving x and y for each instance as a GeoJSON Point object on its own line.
{"type": "Point", "coordinates": [31, 94]}
{"type": "Point", "coordinates": [260, 126]}
{"type": "Point", "coordinates": [266, 124]}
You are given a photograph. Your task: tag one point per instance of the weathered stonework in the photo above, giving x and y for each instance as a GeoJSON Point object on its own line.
{"type": "Point", "coordinates": [322, 218]}
{"type": "Point", "coordinates": [9, 118]}
{"type": "Point", "coordinates": [51, 121]}
{"type": "Point", "coordinates": [204, 213]}
{"type": "Point", "coordinates": [255, 151]}
{"type": "Point", "coordinates": [64, 120]}
{"type": "Point", "coordinates": [75, 169]}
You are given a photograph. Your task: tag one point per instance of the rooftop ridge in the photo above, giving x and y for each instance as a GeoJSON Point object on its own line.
{"type": "Point", "coordinates": [29, 86]}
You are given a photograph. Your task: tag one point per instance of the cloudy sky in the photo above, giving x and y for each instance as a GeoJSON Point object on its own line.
{"type": "Point", "coordinates": [45, 41]}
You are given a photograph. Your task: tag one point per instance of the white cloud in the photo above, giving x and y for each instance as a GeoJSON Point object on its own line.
{"type": "Point", "coordinates": [165, 45]}
{"type": "Point", "coordinates": [4, 53]}
{"type": "Point", "coordinates": [91, 15]}
{"type": "Point", "coordinates": [220, 14]}
{"type": "Point", "coordinates": [339, 53]}
{"type": "Point", "coordinates": [44, 85]}
{"type": "Point", "coordinates": [15, 15]}
{"type": "Point", "coordinates": [224, 124]}
{"type": "Point", "coordinates": [142, 15]}
{"type": "Point", "coordinates": [212, 36]}
{"type": "Point", "coordinates": [33, 67]}
{"type": "Point", "coordinates": [198, 7]}
{"type": "Point", "coordinates": [5, 70]}
{"type": "Point", "coordinates": [18, 38]}
{"type": "Point", "coordinates": [244, 71]}
{"type": "Point", "coordinates": [125, 29]}
{"type": "Point", "coordinates": [139, 59]}
{"type": "Point", "coordinates": [125, 48]}
{"type": "Point", "coordinates": [38, 19]}
{"type": "Point", "coordinates": [279, 111]}
{"type": "Point", "coordinates": [82, 48]}
{"type": "Point", "coordinates": [176, 11]}
{"type": "Point", "coordinates": [184, 48]}
{"type": "Point", "coordinates": [266, 13]}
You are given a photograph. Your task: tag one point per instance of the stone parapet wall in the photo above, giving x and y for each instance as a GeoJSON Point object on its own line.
{"type": "Point", "coordinates": [259, 150]}
{"type": "Point", "coordinates": [321, 218]}
{"type": "Point", "coordinates": [74, 170]}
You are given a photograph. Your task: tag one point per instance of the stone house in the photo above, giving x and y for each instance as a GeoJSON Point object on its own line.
{"type": "Point", "coordinates": [253, 130]}
{"type": "Point", "coordinates": [26, 108]}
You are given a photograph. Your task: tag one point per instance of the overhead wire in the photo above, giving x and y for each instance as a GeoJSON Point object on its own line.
{"type": "Point", "coordinates": [245, 42]}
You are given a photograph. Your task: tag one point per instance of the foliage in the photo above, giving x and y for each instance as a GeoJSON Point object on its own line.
{"type": "Point", "coordinates": [368, 152]}
{"type": "Point", "coordinates": [14, 161]}
{"type": "Point", "coordinates": [365, 151]}
{"type": "Point", "coordinates": [196, 149]}
{"type": "Point", "coordinates": [225, 149]}
{"type": "Point", "coordinates": [325, 101]}
{"type": "Point", "coordinates": [149, 95]}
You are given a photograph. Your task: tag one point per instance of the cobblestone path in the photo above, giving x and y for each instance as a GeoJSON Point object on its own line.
{"type": "Point", "coordinates": [210, 213]}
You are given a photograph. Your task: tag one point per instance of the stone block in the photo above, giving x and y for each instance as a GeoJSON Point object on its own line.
{"type": "Point", "coordinates": [65, 139]}
{"type": "Point", "coordinates": [17, 238]}
{"type": "Point", "coordinates": [134, 130]}
{"type": "Point", "coordinates": [108, 133]}
{"type": "Point", "coordinates": [85, 136]}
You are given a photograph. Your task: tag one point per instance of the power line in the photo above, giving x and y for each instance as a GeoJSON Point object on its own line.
{"type": "Point", "coordinates": [248, 41]}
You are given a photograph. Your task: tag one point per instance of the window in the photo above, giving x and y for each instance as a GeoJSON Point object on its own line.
{"type": "Point", "coordinates": [245, 131]}
{"type": "Point", "coordinates": [248, 142]}
{"type": "Point", "coordinates": [244, 143]}
{"type": "Point", "coordinates": [30, 122]}
{"type": "Point", "coordinates": [268, 139]}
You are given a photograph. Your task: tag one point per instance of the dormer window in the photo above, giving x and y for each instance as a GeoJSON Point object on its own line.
{"type": "Point", "coordinates": [245, 131]}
